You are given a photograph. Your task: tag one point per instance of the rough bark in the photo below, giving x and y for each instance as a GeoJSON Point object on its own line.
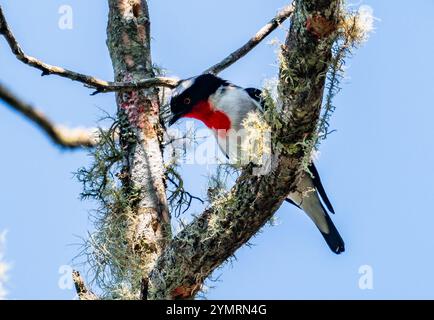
{"type": "Point", "coordinates": [140, 133]}
{"type": "Point", "coordinates": [216, 234]}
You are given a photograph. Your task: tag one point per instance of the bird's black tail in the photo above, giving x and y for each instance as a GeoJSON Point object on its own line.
{"type": "Point", "coordinates": [309, 200]}
{"type": "Point", "coordinates": [333, 238]}
{"type": "Point", "coordinates": [316, 211]}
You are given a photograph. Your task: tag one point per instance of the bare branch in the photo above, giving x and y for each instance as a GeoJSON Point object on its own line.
{"type": "Point", "coordinates": [180, 199]}
{"type": "Point", "coordinates": [229, 223]}
{"type": "Point", "coordinates": [80, 287]}
{"type": "Point", "coordinates": [253, 42]}
{"type": "Point", "coordinates": [102, 86]}
{"type": "Point", "coordinates": [62, 136]}
{"type": "Point", "coordinates": [90, 81]}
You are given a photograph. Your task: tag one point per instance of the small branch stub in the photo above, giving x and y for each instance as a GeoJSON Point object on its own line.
{"type": "Point", "coordinates": [82, 291]}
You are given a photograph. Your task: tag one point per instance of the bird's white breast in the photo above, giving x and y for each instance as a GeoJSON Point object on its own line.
{"type": "Point", "coordinates": [237, 105]}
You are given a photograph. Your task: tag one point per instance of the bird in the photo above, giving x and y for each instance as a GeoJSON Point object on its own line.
{"type": "Point", "coordinates": [223, 107]}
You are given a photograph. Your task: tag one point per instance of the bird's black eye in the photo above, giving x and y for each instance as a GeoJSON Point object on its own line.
{"type": "Point", "coordinates": [187, 100]}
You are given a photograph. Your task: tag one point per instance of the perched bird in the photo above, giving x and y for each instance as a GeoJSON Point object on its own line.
{"type": "Point", "coordinates": [223, 107]}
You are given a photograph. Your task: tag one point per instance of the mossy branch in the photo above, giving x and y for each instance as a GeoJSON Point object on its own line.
{"type": "Point", "coordinates": [230, 222]}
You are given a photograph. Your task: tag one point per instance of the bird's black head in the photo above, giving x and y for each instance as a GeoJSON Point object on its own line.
{"type": "Point", "coordinates": [192, 91]}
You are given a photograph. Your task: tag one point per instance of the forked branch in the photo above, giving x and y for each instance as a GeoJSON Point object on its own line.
{"type": "Point", "coordinates": [101, 86]}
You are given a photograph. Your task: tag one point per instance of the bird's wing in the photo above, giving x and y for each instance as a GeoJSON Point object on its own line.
{"type": "Point", "coordinates": [256, 95]}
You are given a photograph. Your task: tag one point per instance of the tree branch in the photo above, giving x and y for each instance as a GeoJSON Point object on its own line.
{"type": "Point", "coordinates": [80, 287]}
{"type": "Point", "coordinates": [102, 86]}
{"type": "Point", "coordinates": [253, 42]}
{"type": "Point", "coordinates": [62, 136]}
{"type": "Point", "coordinates": [90, 81]}
{"type": "Point", "coordinates": [228, 224]}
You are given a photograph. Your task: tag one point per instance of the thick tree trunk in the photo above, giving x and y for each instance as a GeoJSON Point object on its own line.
{"type": "Point", "coordinates": [140, 133]}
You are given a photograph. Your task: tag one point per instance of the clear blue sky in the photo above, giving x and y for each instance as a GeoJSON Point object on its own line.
{"type": "Point", "coordinates": [376, 168]}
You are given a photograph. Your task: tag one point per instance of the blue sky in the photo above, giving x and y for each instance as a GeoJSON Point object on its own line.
{"type": "Point", "coordinates": [376, 167]}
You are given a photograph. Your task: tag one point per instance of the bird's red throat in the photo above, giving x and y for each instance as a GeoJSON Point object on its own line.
{"type": "Point", "coordinates": [213, 119]}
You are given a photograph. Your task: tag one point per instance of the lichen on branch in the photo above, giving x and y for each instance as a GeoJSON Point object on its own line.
{"type": "Point", "coordinates": [230, 222]}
